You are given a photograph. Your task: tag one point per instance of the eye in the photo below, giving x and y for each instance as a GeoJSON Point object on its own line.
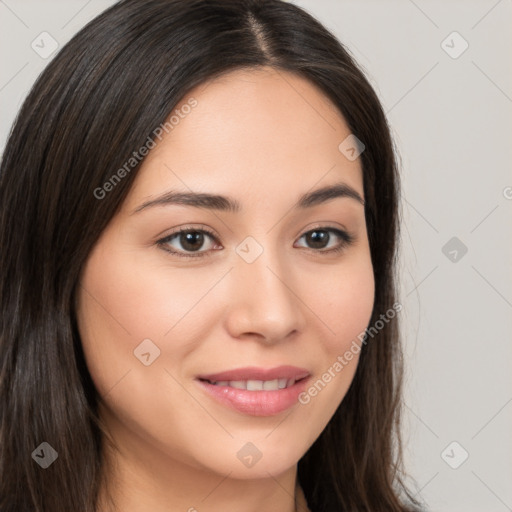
{"type": "Point", "coordinates": [319, 238]}
{"type": "Point", "coordinates": [190, 239]}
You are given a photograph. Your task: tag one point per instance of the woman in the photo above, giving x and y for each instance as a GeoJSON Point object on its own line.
{"type": "Point", "coordinates": [198, 233]}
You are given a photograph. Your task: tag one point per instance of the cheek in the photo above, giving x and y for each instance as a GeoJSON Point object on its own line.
{"type": "Point", "coordinates": [134, 299]}
{"type": "Point", "coordinates": [125, 298]}
{"type": "Point", "coordinates": [121, 304]}
{"type": "Point", "coordinates": [344, 306]}
{"type": "Point", "coordinates": [344, 303]}
{"type": "Point", "coordinates": [117, 308]}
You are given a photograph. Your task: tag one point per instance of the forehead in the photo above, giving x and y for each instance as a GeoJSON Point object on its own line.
{"type": "Point", "coordinates": [250, 127]}
{"type": "Point", "coordinates": [268, 85]}
{"type": "Point", "coordinates": [265, 101]}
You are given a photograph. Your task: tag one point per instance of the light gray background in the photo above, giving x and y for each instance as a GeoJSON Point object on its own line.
{"type": "Point", "coordinates": [451, 118]}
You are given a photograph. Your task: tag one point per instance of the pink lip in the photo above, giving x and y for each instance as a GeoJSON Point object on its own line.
{"type": "Point", "coordinates": [261, 402]}
{"type": "Point", "coordinates": [255, 373]}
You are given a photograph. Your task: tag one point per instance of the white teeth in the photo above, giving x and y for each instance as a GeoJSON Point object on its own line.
{"type": "Point", "coordinates": [271, 385]}
{"type": "Point", "coordinates": [254, 385]}
{"type": "Point", "coordinates": [257, 385]}
{"type": "Point", "coordinates": [238, 384]}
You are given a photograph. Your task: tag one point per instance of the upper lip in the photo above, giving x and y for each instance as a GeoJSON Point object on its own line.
{"type": "Point", "coordinates": [255, 373]}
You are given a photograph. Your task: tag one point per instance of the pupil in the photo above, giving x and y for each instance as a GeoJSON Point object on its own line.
{"type": "Point", "coordinates": [317, 238]}
{"type": "Point", "coordinates": [191, 239]}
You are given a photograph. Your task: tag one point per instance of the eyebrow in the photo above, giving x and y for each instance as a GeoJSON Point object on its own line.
{"type": "Point", "coordinates": [228, 204]}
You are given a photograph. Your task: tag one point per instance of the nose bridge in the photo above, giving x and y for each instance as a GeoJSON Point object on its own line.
{"type": "Point", "coordinates": [263, 299]}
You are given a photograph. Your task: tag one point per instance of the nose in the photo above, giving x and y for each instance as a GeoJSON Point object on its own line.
{"type": "Point", "coordinates": [264, 301]}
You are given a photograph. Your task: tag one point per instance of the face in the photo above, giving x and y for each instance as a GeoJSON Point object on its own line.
{"type": "Point", "coordinates": [277, 286]}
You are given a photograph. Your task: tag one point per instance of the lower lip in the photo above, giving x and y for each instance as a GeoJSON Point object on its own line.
{"type": "Point", "coordinates": [256, 403]}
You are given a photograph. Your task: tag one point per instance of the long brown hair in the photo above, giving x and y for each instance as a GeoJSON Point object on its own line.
{"type": "Point", "coordinates": [97, 102]}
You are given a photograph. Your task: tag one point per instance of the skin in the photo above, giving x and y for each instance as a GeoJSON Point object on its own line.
{"type": "Point", "coordinates": [264, 138]}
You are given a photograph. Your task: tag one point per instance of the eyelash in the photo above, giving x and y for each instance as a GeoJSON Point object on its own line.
{"type": "Point", "coordinates": [346, 240]}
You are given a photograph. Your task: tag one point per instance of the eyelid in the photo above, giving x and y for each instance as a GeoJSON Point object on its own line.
{"type": "Point", "coordinates": [348, 237]}
{"type": "Point", "coordinates": [326, 225]}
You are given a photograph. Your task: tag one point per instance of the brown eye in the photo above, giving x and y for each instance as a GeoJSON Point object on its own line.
{"type": "Point", "coordinates": [319, 238]}
{"type": "Point", "coordinates": [186, 242]}
{"type": "Point", "coordinates": [191, 240]}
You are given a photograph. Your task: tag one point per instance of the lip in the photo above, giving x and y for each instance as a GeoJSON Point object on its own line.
{"type": "Point", "coordinates": [261, 402]}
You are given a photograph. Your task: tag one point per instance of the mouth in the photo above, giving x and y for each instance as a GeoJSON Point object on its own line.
{"type": "Point", "coordinates": [256, 391]}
